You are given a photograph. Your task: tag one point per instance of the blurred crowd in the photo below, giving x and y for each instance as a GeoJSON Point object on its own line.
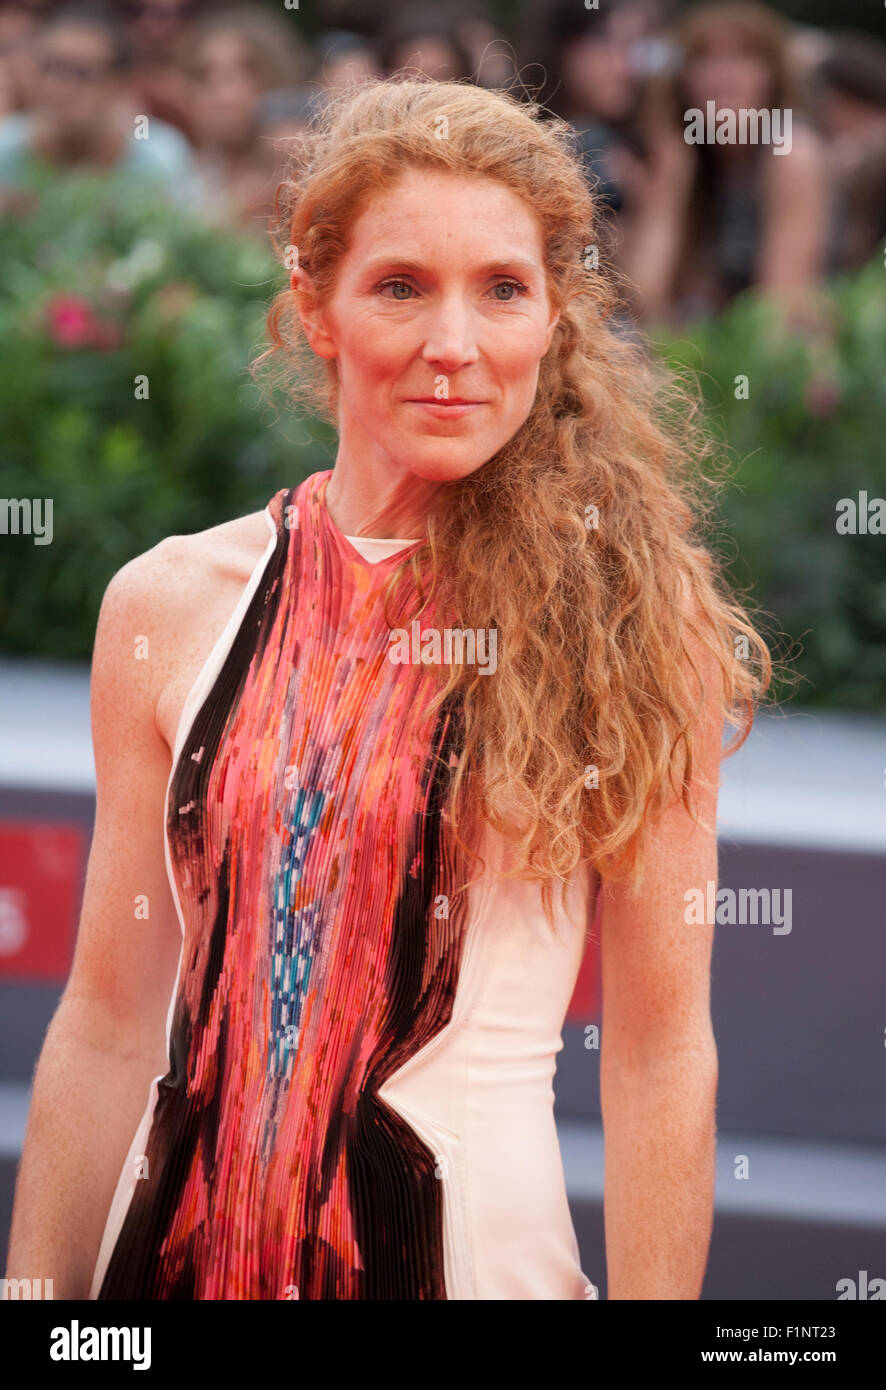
{"type": "Point", "coordinates": [201, 97]}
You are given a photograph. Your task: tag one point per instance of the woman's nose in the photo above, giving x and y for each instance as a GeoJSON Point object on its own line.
{"type": "Point", "coordinates": [451, 338]}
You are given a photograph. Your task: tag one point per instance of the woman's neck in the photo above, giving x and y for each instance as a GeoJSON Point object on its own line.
{"type": "Point", "coordinates": [389, 509]}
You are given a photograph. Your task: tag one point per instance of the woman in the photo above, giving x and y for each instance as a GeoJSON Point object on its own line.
{"type": "Point", "coordinates": [705, 221]}
{"type": "Point", "coordinates": [357, 1099]}
{"type": "Point", "coordinates": [239, 58]}
{"type": "Point", "coordinates": [589, 63]}
{"type": "Point", "coordinates": [160, 33]}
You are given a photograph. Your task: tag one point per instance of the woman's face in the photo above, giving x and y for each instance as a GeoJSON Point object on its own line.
{"type": "Point", "coordinates": [599, 76]}
{"type": "Point", "coordinates": [225, 92]}
{"type": "Point", "coordinates": [77, 86]}
{"type": "Point", "coordinates": [727, 72]}
{"type": "Point", "coordinates": [440, 297]}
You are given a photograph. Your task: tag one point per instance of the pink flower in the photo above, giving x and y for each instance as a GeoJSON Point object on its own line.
{"type": "Point", "coordinates": [73, 324]}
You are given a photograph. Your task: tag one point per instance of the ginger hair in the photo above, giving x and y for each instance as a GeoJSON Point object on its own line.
{"type": "Point", "coordinates": [593, 668]}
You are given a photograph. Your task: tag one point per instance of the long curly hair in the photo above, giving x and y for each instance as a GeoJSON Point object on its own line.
{"type": "Point", "coordinates": [577, 541]}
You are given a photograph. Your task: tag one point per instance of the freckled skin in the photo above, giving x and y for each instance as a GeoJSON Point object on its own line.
{"type": "Point", "coordinates": [391, 346]}
{"type": "Point", "coordinates": [108, 1037]}
{"type": "Point", "coordinates": [476, 315]}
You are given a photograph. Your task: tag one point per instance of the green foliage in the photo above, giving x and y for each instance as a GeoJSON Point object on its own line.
{"type": "Point", "coordinates": [809, 433]}
{"type": "Point", "coordinates": [99, 290]}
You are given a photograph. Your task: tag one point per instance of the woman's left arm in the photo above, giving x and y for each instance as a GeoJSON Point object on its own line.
{"type": "Point", "coordinates": [658, 1055]}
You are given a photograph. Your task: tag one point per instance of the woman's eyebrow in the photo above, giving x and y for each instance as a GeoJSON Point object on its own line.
{"type": "Point", "coordinates": [500, 265]}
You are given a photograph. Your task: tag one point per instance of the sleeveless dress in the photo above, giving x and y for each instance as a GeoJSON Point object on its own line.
{"type": "Point", "coordinates": [359, 1101]}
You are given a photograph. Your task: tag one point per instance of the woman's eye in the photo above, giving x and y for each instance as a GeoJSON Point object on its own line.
{"type": "Point", "coordinates": [395, 285]}
{"type": "Point", "coordinates": [514, 286]}
{"type": "Point", "coordinates": [402, 291]}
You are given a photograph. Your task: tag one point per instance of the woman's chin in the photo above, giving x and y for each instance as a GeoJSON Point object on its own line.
{"type": "Point", "coordinates": [439, 469]}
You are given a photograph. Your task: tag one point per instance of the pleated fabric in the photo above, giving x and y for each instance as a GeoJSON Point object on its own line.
{"type": "Point", "coordinates": [309, 858]}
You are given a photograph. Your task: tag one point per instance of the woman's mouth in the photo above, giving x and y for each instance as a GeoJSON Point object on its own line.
{"type": "Point", "coordinates": [453, 408]}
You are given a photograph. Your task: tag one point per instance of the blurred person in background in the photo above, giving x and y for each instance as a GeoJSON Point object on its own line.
{"type": "Point", "coordinates": [83, 118]}
{"type": "Point", "coordinates": [851, 83]}
{"type": "Point", "coordinates": [426, 42]}
{"type": "Point", "coordinates": [285, 112]}
{"type": "Point", "coordinates": [490, 52]}
{"type": "Point", "coordinates": [161, 34]}
{"type": "Point", "coordinates": [18, 65]}
{"type": "Point", "coordinates": [344, 58]}
{"type": "Point", "coordinates": [587, 66]}
{"type": "Point", "coordinates": [238, 57]}
{"type": "Point", "coordinates": [707, 221]}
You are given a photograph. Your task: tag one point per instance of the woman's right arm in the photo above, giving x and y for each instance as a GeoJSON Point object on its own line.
{"type": "Point", "coordinates": [107, 1039]}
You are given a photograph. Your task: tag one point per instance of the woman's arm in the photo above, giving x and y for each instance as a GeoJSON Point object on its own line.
{"type": "Point", "coordinates": [792, 251]}
{"type": "Point", "coordinates": [107, 1039]}
{"type": "Point", "coordinates": [658, 1055]}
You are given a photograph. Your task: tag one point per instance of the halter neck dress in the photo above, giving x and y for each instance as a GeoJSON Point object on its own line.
{"type": "Point", "coordinates": [359, 1100]}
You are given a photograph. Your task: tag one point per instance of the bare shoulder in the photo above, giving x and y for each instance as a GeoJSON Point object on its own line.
{"type": "Point", "coordinates": [166, 607]}
{"type": "Point", "coordinates": [180, 575]}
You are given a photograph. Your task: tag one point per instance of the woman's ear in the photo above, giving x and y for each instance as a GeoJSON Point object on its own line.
{"type": "Point", "coordinates": [313, 320]}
